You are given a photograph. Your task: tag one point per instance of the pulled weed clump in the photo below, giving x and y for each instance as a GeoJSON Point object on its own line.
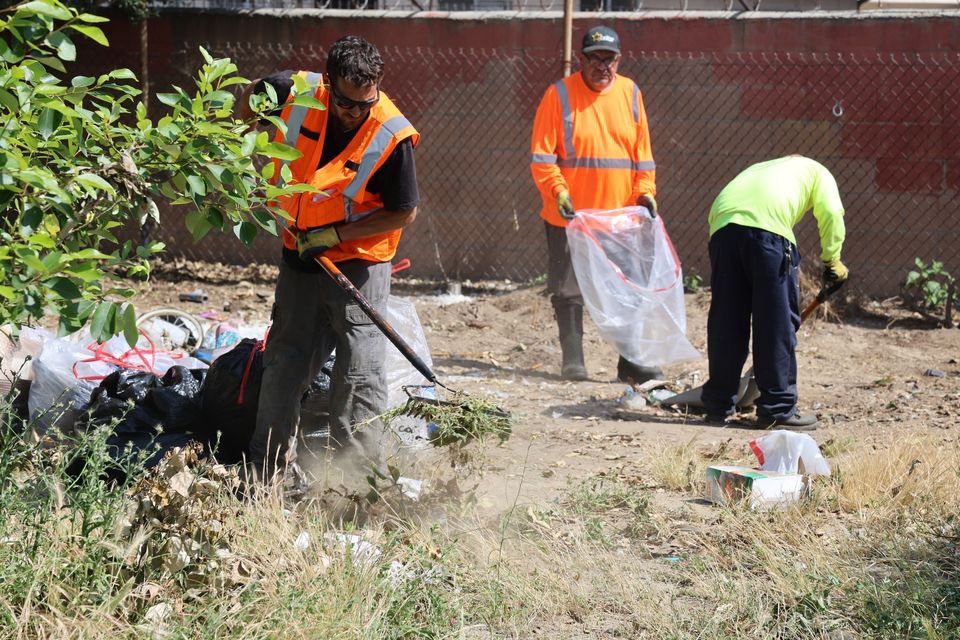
{"type": "Point", "coordinates": [457, 421]}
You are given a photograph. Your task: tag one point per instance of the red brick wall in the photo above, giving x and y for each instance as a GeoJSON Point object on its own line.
{"type": "Point", "coordinates": [721, 93]}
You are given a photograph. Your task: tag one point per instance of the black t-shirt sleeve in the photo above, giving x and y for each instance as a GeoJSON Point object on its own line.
{"type": "Point", "coordinates": [396, 179]}
{"type": "Point", "coordinates": [282, 83]}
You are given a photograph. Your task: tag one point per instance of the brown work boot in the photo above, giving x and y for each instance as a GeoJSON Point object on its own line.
{"type": "Point", "coordinates": [570, 323]}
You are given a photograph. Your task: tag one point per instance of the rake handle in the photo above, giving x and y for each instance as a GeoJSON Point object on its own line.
{"type": "Point", "coordinates": [825, 292]}
{"type": "Point", "coordinates": [376, 318]}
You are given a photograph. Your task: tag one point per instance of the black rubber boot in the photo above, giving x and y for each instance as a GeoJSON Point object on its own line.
{"type": "Point", "coordinates": [635, 373]}
{"type": "Point", "coordinates": [570, 322]}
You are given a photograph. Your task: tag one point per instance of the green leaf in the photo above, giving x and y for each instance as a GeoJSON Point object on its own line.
{"type": "Point", "coordinates": [246, 232]}
{"type": "Point", "coordinates": [53, 63]}
{"type": "Point", "coordinates": [103, 321]}
{"type": "Point", "coordinates": [123, 74]}
{"type": "Point", "coordinates": [93, 181]}
{"type": "Point", "coordinates": [89, 254]}
{"type": "Point", "coordinates": [89, 17]}
{"type": "Point", "coordinates": [197, 224]}
{"type": "Point", "coordinates": [94, 33]}
{"type": "Point", "coordinates": [206, 56]}
{"type": "Point", "coordinates": [7, 292]}
{"type": "Point", "coordinates": [265, 219]}
{"type": "Point", "coordinates": [169, 99]}
{"type": "Point", "coordinates": [9, 101]}
{"type": "Point", "coordinates": [197, 185]}
{"type": "Point", "coordinates": [280, 151]}
{"type": "Point", "coordinates": [308, 101]}
{"type": "Point", "coordinates": [249, 143]}
{"type": "Point", "coordinates": [37, 7]}
{"type": "Point", "coordinates": [86, 275]}
{"type": "Point", "coordinates": [48, 122]}
{"type": "Point", "coordinates": [64, 287]}
{"type": "Point", "coordinates": [128, 324]}
{"type": "Point", "coordinates": [60, 41]}
{"type": "Point", "coordinates": [82, 81]}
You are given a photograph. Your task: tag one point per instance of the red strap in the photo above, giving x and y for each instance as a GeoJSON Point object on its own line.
{"type": "Point", "coordinates": [122, 361]}
{"type": "Point", "coordinates": [261, 344]}
{"type": "Point", "coordinates": [757, 451]}
{"type": "Point", "coordinates": [400, 266]}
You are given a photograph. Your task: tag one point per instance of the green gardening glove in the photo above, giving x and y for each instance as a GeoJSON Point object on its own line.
{"type": "Point", "coordinates": [565, 205]}
{"type": "Point", "coordinates": [647, 200]}
{"type": "Point", "coordinates": [835, 272]}
{"type": "Point", "coordinates": [312, 243]}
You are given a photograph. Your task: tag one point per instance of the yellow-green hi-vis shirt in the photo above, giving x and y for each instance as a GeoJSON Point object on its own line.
{"type": "Point", "coordinates": [774, 196]}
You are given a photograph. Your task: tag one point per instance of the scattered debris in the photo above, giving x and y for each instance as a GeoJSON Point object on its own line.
{"type": "Point", "coordinates": [194, 296]}
{"type": "Point", "coordinates": [935, 373]}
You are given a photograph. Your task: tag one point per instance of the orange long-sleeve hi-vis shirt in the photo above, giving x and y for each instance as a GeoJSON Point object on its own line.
{"type": "Point", "coordinates": [594, 145]}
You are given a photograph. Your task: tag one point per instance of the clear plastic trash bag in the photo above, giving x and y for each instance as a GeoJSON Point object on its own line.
{"type": "Point", "coordinates": [632, 284]}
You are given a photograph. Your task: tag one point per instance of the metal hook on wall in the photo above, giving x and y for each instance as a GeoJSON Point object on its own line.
{"type": "Point", "coordinates": [838, 108]}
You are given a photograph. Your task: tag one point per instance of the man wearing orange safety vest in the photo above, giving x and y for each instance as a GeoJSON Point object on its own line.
{"type": "Point", "coordinates": [590, 150]}
{"type": "Point", "coordinates": [358, 151]}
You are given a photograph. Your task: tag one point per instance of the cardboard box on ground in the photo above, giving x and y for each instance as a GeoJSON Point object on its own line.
{"type": "Point", "coordinates": [787, 462]}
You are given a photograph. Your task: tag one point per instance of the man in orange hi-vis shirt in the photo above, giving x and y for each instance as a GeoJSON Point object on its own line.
{"type": "Point", "coordinates": [590, 150]}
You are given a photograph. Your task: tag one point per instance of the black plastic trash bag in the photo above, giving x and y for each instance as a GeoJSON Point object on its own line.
{"type": "Point", "coordinates": [146, 402]}
{"type": "Point", "coordinates": [229, 400]}
{"type": "Point", "coordinates": [149, 415]}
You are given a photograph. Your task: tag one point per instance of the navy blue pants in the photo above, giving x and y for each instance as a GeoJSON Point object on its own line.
{"type": "Point", "coordinates": [754, 273]}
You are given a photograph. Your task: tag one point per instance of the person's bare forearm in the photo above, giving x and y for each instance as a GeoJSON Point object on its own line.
{"type": "Point", "coordinates": [380, 222]}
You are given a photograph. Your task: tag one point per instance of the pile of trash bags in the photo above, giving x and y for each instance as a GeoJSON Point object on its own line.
{"type": "Point", "coordinates": [154, 398]}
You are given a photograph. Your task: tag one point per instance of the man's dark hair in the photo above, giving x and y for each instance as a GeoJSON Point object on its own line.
{"type": "Point", "coordinates": [355, 60]}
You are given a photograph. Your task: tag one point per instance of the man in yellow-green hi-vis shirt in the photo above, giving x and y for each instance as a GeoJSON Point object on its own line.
{"type": "Point", "coordinates": [755, 273]}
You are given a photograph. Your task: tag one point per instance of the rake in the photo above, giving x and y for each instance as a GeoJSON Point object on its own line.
{"type": "Point", "coordinates": [460, 418]}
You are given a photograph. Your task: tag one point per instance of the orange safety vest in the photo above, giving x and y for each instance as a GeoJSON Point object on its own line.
{"type": "Point", "coordinates": [344, 179]}
{"type": "Point", "coordinates": [594, 145]}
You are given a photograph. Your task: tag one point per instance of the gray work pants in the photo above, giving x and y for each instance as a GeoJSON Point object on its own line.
{"type": "Point", "coordinates": [561, 279]}
{"type": "Point", "coordinates": [312, 316]}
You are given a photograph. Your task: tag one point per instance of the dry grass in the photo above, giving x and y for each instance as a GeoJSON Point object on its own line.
{"type": "Point", "coordinates": [871, 553]}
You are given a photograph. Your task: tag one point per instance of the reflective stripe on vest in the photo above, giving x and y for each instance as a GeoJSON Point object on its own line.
{"type": "Point", "coordinates": [298, 114]}
{"type": "Point", "coordinates": [607, 163]}
{"type": "Point", "coordinates": [543, 158]}
{"type": "Point", "coordinates": [567, 114]}
{"type": "Point", "coordinates": [371, 155]}
{"type": "Point", "coordinates": [572, 161]}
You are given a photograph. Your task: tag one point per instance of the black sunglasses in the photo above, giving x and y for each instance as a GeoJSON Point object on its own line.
{"type": "Point", "coordinates": [344, 102]}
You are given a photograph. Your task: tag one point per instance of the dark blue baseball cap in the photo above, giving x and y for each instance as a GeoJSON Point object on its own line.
{"type": "Point", "coordinates": [601, 39]}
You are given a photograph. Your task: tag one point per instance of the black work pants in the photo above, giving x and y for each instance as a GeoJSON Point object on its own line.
{"type": "Point", "coordinates": [754, 274]}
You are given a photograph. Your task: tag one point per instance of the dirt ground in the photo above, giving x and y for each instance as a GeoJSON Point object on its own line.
{"type": "Point", "coordinates": [873, 373]}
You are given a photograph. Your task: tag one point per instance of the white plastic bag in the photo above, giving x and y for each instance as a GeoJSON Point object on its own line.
{"type": "Point", "coordinates": [632, 284]}
{"type": "Point", "coordinates": [783, 451]}
{"type": "Point", "coordinates": [69, 369]}
{"type": "Point", "coordinates": [402, 316]}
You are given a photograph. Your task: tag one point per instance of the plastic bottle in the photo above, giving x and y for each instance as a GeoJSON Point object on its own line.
{"type": "Point", "coordinates": [193, 296]}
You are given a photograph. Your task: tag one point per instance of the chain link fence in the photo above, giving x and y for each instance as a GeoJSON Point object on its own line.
{"type": "Point", "coordinates": [885, 125]}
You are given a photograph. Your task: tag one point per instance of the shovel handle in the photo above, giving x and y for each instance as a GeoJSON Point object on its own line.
{"type": "Point", "coordinates": [376, 318]}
